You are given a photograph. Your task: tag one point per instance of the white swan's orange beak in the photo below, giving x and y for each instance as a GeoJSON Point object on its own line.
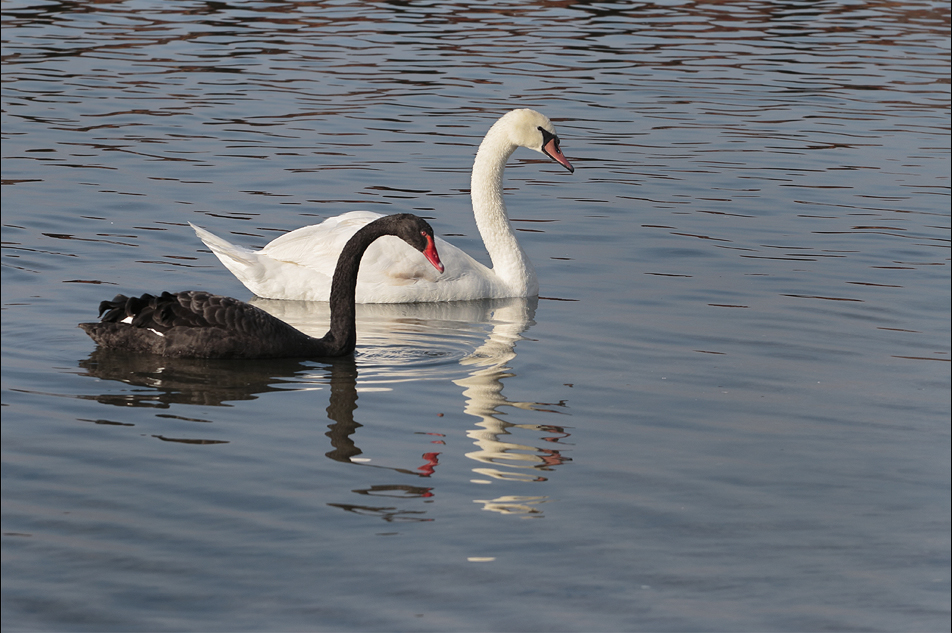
{"type": "Point", "coordinates": [552, 150]}
{"type": "Point", "coordinates": [430, 253]}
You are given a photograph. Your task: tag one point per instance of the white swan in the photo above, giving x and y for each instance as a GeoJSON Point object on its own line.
{"type": "Point", "coordinates": [299, 265]}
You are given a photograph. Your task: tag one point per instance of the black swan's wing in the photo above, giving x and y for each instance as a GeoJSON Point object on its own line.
{"type": "Point", "coordinates": [195, 324]}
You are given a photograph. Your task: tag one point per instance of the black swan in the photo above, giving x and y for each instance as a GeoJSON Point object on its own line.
{"type": "Point", "coordinates": [194, 324]}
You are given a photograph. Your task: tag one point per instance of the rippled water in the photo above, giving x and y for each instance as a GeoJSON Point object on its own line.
{"type": "Point", "coordinates": [729, 410]}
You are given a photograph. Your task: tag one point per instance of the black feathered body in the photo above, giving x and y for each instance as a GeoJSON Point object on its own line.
{"type": "Point", "coordinates": [196, 324]}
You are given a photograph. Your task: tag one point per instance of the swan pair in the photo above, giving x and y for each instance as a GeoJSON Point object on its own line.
{"type": "Point", "coordinates": [325, 261]}
{"type": "Point", "coordinates": [196, 324]}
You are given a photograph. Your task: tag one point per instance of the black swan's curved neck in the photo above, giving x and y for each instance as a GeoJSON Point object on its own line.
{"type": "Point", "coordinates": [342, 335]}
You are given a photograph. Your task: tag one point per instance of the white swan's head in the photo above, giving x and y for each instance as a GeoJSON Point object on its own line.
{"type": "Point", "coordinates": [534, 130]}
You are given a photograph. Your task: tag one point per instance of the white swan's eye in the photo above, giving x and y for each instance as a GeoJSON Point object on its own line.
{"type": "Point", "coordinates": [550, 147]}
{"type": "Point", "coordinates": [549, 140]}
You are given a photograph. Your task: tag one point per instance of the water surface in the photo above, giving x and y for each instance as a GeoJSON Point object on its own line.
{"type": "Point", "coordinates": [729, 410]}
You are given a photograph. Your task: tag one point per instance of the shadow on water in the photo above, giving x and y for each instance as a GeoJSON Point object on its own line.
{"type": "Point", "coordinates": [169, 381]}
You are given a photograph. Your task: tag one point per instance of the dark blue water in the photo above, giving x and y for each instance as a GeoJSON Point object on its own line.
{"type": "Point", "coordinates": [729, 410]}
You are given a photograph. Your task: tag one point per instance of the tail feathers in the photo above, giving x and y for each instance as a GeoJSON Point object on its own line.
{"type": "Point", "coordinates": [239, 260]}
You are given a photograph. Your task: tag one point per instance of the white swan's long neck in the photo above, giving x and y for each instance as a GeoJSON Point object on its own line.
{"type": "Point", "coordinates": [510, 263]}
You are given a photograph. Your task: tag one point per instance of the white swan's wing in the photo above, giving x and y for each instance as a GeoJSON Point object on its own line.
{"type": "Point", "coordinates": [390, 272]}
{"type": "Point", "coordinates": [318, 246]}
{"type": "Point", "coordinates": [387, 260]}
{"type": "Point", "coordinates": [274, 272]}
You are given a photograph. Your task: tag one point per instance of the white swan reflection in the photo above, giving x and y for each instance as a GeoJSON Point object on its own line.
{"type": "Point", "coordinates": [483, 386]}
{"type": "Point", "coordinates": [400, 342]}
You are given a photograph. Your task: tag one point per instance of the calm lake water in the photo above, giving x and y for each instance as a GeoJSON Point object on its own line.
{"type": "Point", "coordinates": [729, 409]}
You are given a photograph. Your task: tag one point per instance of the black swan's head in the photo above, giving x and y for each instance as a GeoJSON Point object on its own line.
{"type": "Point", "coordinates": [418, 233]}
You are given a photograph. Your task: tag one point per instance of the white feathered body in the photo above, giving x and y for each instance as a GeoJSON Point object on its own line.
{"type": "Point", "coordinates": [295, 266]}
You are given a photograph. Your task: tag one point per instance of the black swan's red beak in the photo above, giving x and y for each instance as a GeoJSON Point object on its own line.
{"type": "Point", "coordinates": [430, 253]}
